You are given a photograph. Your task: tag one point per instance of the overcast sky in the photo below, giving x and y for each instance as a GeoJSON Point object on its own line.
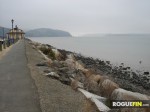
{"type": "Point", "coordinates": [78, 16]}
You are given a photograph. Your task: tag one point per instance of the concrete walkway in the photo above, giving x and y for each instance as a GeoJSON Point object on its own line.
{"type": "Point", "coordinates": [17, 89]}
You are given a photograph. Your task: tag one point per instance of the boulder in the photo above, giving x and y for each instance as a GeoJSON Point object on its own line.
{"type": "Point", "coordinates": [121, 94]}
{"type": "Point", "coordinates": [42, 64]}
{"type": "Point", "coordinates": [146, 73]}
{"type": "Point", "coordinates": [48, 70]}
{"type": "Point", "coordinates": [65, 80]}
{"type": "Point", "coordinates": [53, 75]}
{"type": "Point", "coordinates": [57, 64]}
{"type": "Point", "coordinates": [63, 69]}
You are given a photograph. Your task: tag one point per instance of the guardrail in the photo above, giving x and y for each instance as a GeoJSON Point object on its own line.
{"type": "Point", "coordinates": [0, 45]}
{"type": "Point", "coordinates": [6, 43]}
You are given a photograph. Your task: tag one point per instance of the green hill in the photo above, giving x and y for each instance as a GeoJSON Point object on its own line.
{"type": "Point", "coordinates": [46, 32]}
{"type": "Point", "coordinates": [6, 30]}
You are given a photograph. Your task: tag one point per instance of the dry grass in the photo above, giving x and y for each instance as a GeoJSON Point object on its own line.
{"type": "Point", "coordinates": [100, 85]}
{"type": "Point", "coordinates": [74, 85]}
{"type": "Point", "coordinates": [89, 106]}
{"type": "Point", "coordinates": [107, 87]}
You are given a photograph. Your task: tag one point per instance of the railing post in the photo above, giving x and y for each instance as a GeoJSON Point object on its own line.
{"type": "Point", "coordinates": [4, 44]}
{"type": "Point", "coordinates": [8, 43]}
{"type": "Point", "coordinates": [0, 45]}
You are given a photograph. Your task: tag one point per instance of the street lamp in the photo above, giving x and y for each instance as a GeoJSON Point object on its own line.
{"type": "Point", "coordinates": [12, 21]}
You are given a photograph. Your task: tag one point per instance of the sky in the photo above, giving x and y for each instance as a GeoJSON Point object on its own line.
{"type": "Point", "coordinates": [78, 16]}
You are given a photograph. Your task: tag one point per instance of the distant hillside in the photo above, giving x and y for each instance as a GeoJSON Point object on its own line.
{"type": "Point", "coordinates": [6, 30]}
{"type": "Point", "coordinates": [109, 34]}
{"type": "Point", "coordinates": [46, 32]}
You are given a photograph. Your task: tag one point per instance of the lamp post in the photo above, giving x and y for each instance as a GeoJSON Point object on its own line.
{"type": "Point", "coordinates": [12, 21]}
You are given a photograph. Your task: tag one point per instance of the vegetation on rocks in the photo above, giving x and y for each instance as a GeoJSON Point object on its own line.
{"type": "Point", "coordinates": [49, 52]}
{"type": "Point", "coordinates": [51, 55]}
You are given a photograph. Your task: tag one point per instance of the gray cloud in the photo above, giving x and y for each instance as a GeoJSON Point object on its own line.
{"type": "Point", "coordinates": [78, 16]}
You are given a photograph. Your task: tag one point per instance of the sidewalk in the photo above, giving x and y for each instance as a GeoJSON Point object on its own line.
{"type": "Point", "coordinates": [17, 89]}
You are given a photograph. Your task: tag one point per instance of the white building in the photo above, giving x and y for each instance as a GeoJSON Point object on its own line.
{"type": "Point", "coordinates": [16, 33]}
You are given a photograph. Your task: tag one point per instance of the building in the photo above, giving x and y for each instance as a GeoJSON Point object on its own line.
{"type": "Point", "coordinates": [16, 33]}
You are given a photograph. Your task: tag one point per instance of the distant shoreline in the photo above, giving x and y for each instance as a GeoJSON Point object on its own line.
{"type": "Point", "coordinates": [47, 32]}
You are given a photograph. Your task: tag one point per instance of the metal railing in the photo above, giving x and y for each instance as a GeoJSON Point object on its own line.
{"type": "Point", "coordinates": [6, 42]}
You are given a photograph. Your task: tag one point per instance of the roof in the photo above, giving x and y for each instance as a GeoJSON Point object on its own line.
{"type": "Point", "coordinates": [16, 31]}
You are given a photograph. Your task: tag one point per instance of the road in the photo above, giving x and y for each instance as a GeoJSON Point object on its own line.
{"type": "Point", "coordinates": [18, 92]}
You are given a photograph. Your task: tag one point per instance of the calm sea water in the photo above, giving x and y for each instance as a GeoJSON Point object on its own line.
{"type": "Point", "coordinates": [130, 50]}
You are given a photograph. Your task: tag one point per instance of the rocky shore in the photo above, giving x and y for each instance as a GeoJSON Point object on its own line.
{"type": "Point", "coordinates": [124, 76]}
{"type": "Point", "coordinates": [94, 75]}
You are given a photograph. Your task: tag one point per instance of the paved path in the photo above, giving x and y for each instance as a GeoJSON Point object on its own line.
{"type": "Point", "coordinates": [17, 90]}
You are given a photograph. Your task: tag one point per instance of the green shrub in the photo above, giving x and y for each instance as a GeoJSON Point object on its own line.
{"type": "Point", "coordinates": [45, 50]}
{"type": "Point", "coordinates": [49, 52]}
{"type": "Point", "coordinates": [51, 55]}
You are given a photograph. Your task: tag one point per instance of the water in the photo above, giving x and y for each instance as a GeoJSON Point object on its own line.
{"type": "Point", "coordinates": [132, 50]}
